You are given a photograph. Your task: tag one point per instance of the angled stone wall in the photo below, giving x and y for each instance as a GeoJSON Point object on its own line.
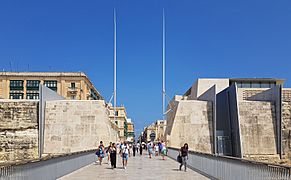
{"type": "Point", "coordinates": [18, 130]}
{"type": "Point", "coordinates": [190, 122]}
{"type": "Point", "coordinates": [72, 126]}
{"type": "Point", "coordinates": [258, 128]}
{"type": "Point", "coordinates": [286, 132]}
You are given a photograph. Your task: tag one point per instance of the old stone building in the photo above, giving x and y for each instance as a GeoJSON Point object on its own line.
{"type": "Point", "coordinates": [119, 117]}
{"type": "Point", "coordinates": [25, 85]}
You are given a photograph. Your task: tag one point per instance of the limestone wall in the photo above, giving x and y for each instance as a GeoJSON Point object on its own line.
{"type": "Point", "coordinates": [18, 130]}
{"type": "Point", "coordinates": [72, 126]}
{"type": "Point", "coordinates": [257, 126]}
{"type": "Point", "coordinates": [190, 122]}
{"type": "Point", "coordinates": [286, 131]}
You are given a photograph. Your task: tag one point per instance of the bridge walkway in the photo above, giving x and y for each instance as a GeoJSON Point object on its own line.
{"type": "Point", "coordinates": [139, 168]}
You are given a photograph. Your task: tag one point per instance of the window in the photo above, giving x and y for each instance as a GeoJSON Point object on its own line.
{"type": "Point", "coordinates": [93, 95]}
{"type": "Point", "coordinates": [246, 85]}
{"type": "Point", "coordinates": [32, 84]}
{"type": "Point", "coordinates": [272, 84]}
{"type": "Point", "coordinates": [16, 85]}
{"type": "Point", "coordinates": [256, 85]}
{"type": "Point", "coordinates": [51, 84]}
{"type": "Point", "coordinates": [265, 85]}
{"type": "Point", "coordinates": [32, 96]}
{"type": "Point", "coordinates": [116, 113]}
{"type": "Point", "coordinates": [116, 122]}
{"type": "Point", "coordinates": [16, 95]}
{"type": "Point", "coordinates": [73, 85]}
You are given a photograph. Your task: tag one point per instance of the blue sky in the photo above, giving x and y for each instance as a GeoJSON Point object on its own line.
{"type": "Point", "coordinates": [203, 39]}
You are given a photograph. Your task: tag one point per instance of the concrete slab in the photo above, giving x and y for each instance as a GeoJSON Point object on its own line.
{"type": "Point", "coordinates": [139, 167]}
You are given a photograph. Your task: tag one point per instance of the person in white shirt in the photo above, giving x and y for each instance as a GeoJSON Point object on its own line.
{"type": "Point", "coordinates": [125, 154]}
{"type": "Point", "coordinates": [156, 149]}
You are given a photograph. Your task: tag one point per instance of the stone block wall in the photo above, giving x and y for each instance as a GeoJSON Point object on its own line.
{"type": "Point", "coordinates": [18, 130]}
{"type": "Point", "coordinates": [191, 122]}
{"type": "Point", "coordinates": [72, 126]}
{"type": "Point", "coordinates": [286, 132]}
{"type": "Point", "coordinates": [258, 128]}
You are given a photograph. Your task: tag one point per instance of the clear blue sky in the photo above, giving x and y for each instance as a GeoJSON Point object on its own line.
{"type": "Point", "coordinates": [203, 39]}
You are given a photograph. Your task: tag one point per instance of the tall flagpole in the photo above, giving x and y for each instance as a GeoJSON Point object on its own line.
{"type": "Point", "coordinates": [114, 93]}
{"type": "Point", "coordinates": [164, 58]}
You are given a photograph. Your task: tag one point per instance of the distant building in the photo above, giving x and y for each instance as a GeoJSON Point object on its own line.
{"type": "Point", "coordinates": [119, 117]}
{"type": "Point", "coordinates": [130, 131]}
{"type": "Point", "coordinates": [25, 85]}
{"type": "Point", "coordinates": [155, 132]}
{"type": "Point", "coordinates": [161, 129]}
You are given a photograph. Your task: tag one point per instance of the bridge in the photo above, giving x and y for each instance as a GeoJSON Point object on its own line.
{"type": "Point", "coordinates": [80, 165]}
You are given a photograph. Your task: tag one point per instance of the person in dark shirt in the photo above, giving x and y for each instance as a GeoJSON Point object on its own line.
{"type": "Point", "coordinates": [112, 152]}
{"type": "Point", "coordinates": [184, 155]}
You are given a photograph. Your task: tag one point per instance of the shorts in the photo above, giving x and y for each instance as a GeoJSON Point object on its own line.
{"type": "Point", "coordinates": [124, 156]}
{"type": "Point", "coordinates": [150, 151]}
{"type": "Point", "coordinates": [101, 156]}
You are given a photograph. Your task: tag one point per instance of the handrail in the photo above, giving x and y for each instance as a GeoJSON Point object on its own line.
{"type": "Point", "coordinates": [236, 158]}
{"type": "Point", "coordinates": [228, 168]}
{"type": "Point", "coordinates": [48, 157]}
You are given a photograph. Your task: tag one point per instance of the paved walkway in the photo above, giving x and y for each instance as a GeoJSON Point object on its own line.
{"type": "Point", "coordinates": [139, 168]}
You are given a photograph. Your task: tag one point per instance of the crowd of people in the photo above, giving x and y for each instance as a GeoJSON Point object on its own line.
{"type": "Point", "coordinates": [125, 150]}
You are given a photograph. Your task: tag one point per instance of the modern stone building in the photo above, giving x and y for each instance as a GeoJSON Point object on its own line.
{"type": "Point", "coordinates": [25, 85]}
{"type": "Point", "coordinates": [241, 117]}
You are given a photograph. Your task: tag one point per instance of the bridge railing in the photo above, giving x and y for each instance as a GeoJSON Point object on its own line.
{"type": "Point", "coordinates": [49, 168]}
{"type": "Point", "coordinates": [229, 168]}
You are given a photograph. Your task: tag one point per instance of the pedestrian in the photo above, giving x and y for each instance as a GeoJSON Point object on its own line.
{"type": "Point", "coordinates": [125, 154]}
{"type": "Point", "coordinates": [140, 149]}
{"type": "Point", "coordinates": [150, 149]}
{"type": "Point", "coordinates": [113, 155]}
{"type": "Point", "coordinates": [133, 149]}
{"type": "Point", "coordinates": [100, 152]}
{"type": "Point", "coordinates": [108, 153]}
{"type": "Point", "coordinates": [156, 149]}
{"type": "Point", "coordinates": [184, 155]}
{"type": "Point", "coordinates": [163, 149]}
{"type": "Point", "coordinates": [137, 146]}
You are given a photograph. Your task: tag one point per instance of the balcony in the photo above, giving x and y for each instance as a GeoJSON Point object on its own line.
{"type": "Point", "coordinates": [72, 90]}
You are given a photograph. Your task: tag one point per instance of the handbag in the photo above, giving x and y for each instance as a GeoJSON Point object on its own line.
{"type": "Point", "coordinates": [179, 158]}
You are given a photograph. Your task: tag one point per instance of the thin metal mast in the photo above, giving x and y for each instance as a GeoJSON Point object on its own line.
{"type": "Point", "coordinates": [114, 92]}
{"type": "Point", "coordinates": [164, 58]}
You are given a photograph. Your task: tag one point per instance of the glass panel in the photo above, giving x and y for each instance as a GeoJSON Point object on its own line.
{"type": "Point", "coordinates": [265, 85]}
{"type": "Point", "coordinates": [16, 95]}
{"type": "Point", "coordinates": [32, 96]}
{"type": "Point", "coordinates": [272, 84]}
{"type": "Point", "coordinates": [256, 85]}
{"type": "Point", "coordinates": [246, 85]}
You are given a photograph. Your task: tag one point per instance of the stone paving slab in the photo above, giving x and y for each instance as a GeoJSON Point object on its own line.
{"type": "Point", "coordinates": [139, 168]}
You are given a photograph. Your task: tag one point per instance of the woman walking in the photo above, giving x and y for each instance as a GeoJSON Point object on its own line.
{"type": "Point", "coordinates": [184, 155]}
{"type": "Point", "coordinates": [100, 152]}
{"type": "Point", "coordinates": [164, 149]}
{"type": "Point", "coordinates": [113, 155]}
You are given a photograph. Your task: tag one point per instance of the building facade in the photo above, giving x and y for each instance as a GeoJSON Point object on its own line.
{"type": "Point", "coordinates": [119, 117]}
{"type": "Point", "coordinates": [130, 131]}
{"type": "Point", "coordinates": [25, 85]}
{"type": "Point", "coordinates": [242, 117]}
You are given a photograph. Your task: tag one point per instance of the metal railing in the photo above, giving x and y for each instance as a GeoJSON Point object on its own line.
{"type": "Point", "coordinates": [230, 168]}
{"type": "Point", "coordinates": [47, 169]}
